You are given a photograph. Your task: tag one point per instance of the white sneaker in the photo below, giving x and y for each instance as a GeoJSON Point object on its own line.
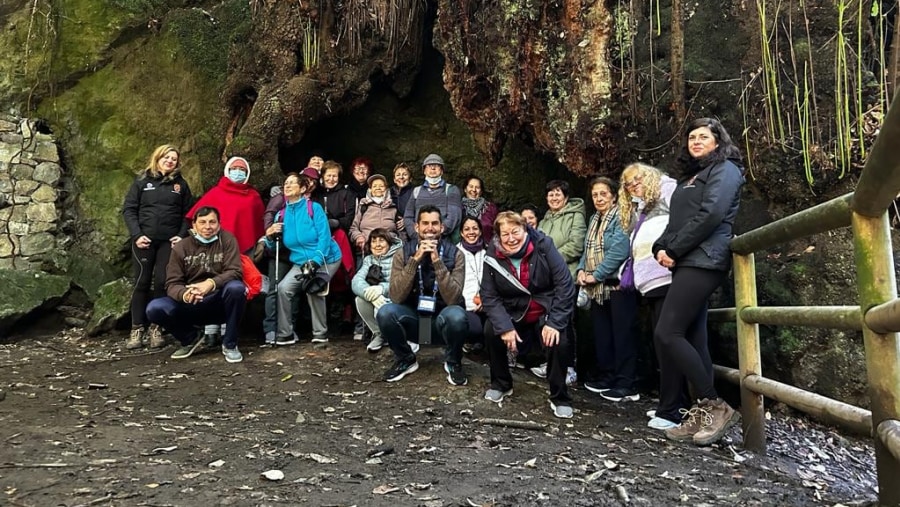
{"type": "Point", "coordinates": [376, 344]}
{"type": "Point", "coordinates": [357, 337]}
{"type": "Point", "coordinates": [322, 338]}
{"type": "Point", "coordinates": [540, 371]}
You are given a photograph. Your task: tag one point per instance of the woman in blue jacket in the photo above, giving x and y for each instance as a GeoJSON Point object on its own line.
{"type": "Point", "coordinates": [613, 311]}
{"type": "Point", "coordinates": [372, 281]}
{"type": "Point", "coordinates": [695, 246]}
{"type": "Point", "coordinates": [314, 256]}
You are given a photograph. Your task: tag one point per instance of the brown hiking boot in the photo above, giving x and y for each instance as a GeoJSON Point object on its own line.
{"type": "Point", "coordinates": [722, 417]}
{"type": "Point", "coordinates": [156, 338]}
{"type": "Point", "coordinates": [135, 339]}
{"type": "Point", "coordinates": [691, 422]}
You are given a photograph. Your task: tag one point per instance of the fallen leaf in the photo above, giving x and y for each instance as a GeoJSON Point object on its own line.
{"type": "Point", "coordinates": [385, 489]}
{"type": "Point", "coordinates": [216, 464]}
{"type": "Point", "coordinates": [273, 475]}
{"type": "Point", "coordinates": [532, 463]}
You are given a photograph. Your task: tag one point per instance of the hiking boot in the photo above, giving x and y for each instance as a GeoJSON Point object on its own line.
{"type": "Point", "coordinates": [620, 394]}
{"type": "Point", "coordinates": [156, 338]}
{"type": "Point", "coordinates": [136, 339]}
{"type": "Point", "coordinates": [376, 344]}
{"type": "Point", "coordinates": [455, 374]}
{"type": "Point", "coordinates": [596, 387]}
{"type": "Point", "coordinates": [722, 417]}
{"type": "Point", "coordinates": [691, 422]}
{"type": "Point", "coordinates": [232, 355]}
{"type": "Point", "coordinates": [562, 411]}
{"type": "Point", "coordinates": [496, 395]}
{"type": "Point", "coordinates": [539, 371]}
{"type": "Point", "coordinates": [400, 369]}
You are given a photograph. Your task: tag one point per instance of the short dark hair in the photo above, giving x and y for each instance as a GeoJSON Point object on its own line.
{"type": "Point", "coordinates": [468, 218]}
{"type": "Point", "coordinates": [530, 207]}
{"type": "Point", "coordinates": [428, 208]}
{"type": "Point", "coordinates": [563, 186]}
{"type": "Point", "coordinates": [380, 232]}
{"type": "Point", "coordinates": [205, 210]}
{"type": "Point", "coordinates": [610, 183]}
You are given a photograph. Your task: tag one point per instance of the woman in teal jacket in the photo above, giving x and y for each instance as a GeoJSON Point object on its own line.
{"type": "Point", "coordinates": [303, 228]}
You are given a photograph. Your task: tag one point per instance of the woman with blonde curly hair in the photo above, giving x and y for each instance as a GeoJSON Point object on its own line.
{"type": "Point", "coordinates": [644, 214]}
{"type": "Point", "coordinates": [154, 211]}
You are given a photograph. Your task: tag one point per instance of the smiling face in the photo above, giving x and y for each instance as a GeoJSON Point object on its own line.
{"type": "Point", "coordinates": [603, 197]}
{"type": "Point", "coordinates": [378, 188]}
{"type": "Point", "coordinates": [401, 177]}
{"type": "Point", "coordinates": [168, 162]}
{"type": "Point", "coordinates": [315, 162]}
{"type": "Point", "coordinates": [378, 245]}
{"type": "Point", "coordinates": [207, 225]}
{"type": "Point", "coordinates": [291, 188]}
{"type": "Point", "coordinates": [635, 185]}
{"type": "Point", "coordinates": [556, 200]}
{"type": "Point", "coordinates": [471, 232]}
{"type": "Point", "coordinates": [330, 178]}
{"type": "Point", "coordinates": [361, 173]}
{"type": "Point", "coordinates": [473, 189]}
{"type": "Point", "coordinates": [429, 225]}
{"type": "Point", "coordinates": [512, 235]}
{"type": "Point", "coordinates": [701, 142]}
{"type": "Point", "coordinates": [530, 218]}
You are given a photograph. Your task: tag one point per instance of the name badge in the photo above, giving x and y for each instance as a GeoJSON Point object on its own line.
{"type": "Point", "coordinates": [426, 304]}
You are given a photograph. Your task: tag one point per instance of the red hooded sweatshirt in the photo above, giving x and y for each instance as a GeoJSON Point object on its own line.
{"type": "Point", "coordinates": [240, 206]}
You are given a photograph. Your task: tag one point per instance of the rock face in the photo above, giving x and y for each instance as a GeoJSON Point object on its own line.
{"type": "Point", "coordinates": [31, 231]}
{"type": "Point", "coordinates": [111, 307]}
{"type": "Point", "coordinates": [24, 293]}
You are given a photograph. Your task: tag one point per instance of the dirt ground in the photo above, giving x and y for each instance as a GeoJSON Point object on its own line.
{"type": "Point", "coordinates": [86, 423]}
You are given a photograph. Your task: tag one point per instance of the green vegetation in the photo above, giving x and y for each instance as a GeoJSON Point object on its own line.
{"type": "Point", "coordinates": [205, 38]}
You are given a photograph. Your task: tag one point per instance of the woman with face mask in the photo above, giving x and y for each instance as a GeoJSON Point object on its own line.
{"type": "Point", "coordinates": [240, 212]}
{"type": "Point", "coordinates": [376, 210]}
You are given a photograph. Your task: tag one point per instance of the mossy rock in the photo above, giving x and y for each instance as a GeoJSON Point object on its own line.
{"type": "Point", "coordinates": [111, 308]}
{"type": "Point", "coordinates": [23, 293]}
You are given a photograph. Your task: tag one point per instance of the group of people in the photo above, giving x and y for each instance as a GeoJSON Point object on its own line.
{"type": "Point", "coordinates": [431, 263]}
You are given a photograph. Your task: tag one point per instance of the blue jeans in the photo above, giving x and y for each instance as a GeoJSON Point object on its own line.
{"type": "Point", "coordinates": [181, 319]}
{"type": "Point", "coordinates": [399, 324]}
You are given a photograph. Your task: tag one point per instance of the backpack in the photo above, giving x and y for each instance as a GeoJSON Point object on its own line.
{"type": "Point", "coordinates": [251, 276]}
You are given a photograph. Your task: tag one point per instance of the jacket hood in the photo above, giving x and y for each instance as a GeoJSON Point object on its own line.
{"type": "Point", "coordinates": [231, 162]}
{"type": "Point", "coordinates": [573, 205]}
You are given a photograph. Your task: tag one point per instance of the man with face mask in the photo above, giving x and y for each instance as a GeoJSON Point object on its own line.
{"type": "Point", "coordinates": [204, 285]}
{"type": "Point", "coordinates": [435, 192]}
{"type": "Point", "coordinates": [241, 213]}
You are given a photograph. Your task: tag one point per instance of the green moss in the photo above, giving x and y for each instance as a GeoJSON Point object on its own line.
{"type": "Point", "coordinates": [112, 305]}
{"type": "Point", "coordinates": [23, 291]}
{"type": "Point", "coordinates": [788, 342]}
{"type": "Point", "coordinates": [204, 38]}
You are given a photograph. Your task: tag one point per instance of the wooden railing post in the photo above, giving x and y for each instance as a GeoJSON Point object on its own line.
{"type": "Point", "coordinates": [753, 411]}
{"type": "Point", "coordinates": [876, 284]}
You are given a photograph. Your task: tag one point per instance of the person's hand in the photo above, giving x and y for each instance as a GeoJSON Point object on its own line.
{"type": "Point", "coordinates": [579, 278]}
{"type": "Point", "coordinates": [191, 296]}
{"type": "Point", "coordinates": [549, 336]}
{"type": "Point", "coordinates": [142, 242]}
{"type": "Point", "coordinates": [400, 224]}
{"type": "Point", "coordinates": [275, 229]}
{"type": "Point", "coordinates": [360, 242]}
{"type": "Point", "coordinates": [589, 280]}
{"type": "Point", "coordinates": [664, 260]}
{"type": "Point", "coordinates": [477, 300]}
{"type": "Point", "coordinates": [379, 302]}
{"type": "Point", "coordinates": [371, 293]}
{"type": "Point", "coordinates": [174, 239]}
{"type": "Point", "coordinates": [203, 288]}
{"type": "Point", "coordinates": [426, 247]}
{"type": "Point", "coordinates": [511, 338]}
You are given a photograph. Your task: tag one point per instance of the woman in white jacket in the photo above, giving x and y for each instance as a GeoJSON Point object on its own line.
{"type": "Point", "coordinates": [371, 281]}
{"type": "Point", "coordinates": [644, 213]}
{"type": "Point", "coordinates": [473, 248]}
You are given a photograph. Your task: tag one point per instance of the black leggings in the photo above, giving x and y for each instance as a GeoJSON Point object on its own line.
{"type": "Point", "coordinates": [680, 334]}
{"type": "Point", "coordinates": [149, 267]}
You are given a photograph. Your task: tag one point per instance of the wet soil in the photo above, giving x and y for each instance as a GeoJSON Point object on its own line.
{"type": "Point", "coordinates": [85, 422]}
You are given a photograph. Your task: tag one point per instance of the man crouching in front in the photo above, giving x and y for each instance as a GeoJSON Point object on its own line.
{"type": "Point", "coordinates": [204, 285]}
{"type": "Point", "coordinates": [426, 280]}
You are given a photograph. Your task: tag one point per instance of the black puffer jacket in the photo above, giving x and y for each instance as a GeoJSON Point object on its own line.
{"type": "Point", "coordinates": [339, 204]}
{"type": "Point", "coordinates": [701, 216]}
{"type": "Point", "coordinates": [156, 206]}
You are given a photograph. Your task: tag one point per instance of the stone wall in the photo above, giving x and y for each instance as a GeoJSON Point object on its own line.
{"type": "Point", "coordinates": [31, 180]}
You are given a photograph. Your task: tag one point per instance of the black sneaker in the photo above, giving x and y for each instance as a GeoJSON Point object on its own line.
{"type": "Point", "coordinates": [400, 370]}
{"type": "Point", "coordinates": [620, 394]}
{"type": "Point", "coordinates": [455, 374]}
{"type": "Point", "coordinates": [596, 387]}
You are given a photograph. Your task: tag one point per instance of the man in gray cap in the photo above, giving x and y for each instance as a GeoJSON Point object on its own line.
{"type": "Point", "coordinates": [435, 192]}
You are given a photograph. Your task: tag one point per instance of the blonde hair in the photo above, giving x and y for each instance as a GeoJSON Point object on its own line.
{"type": "Point", "coordinates": [153, 164]}
{"type": "Point", "coordinates": [508, 217]}
{"type": "Point", "coordinates": [331, 164]}
{"type": "Point", "coordinates": [651, 179]}
{"type": "Point", "coordinates": [402, 165]}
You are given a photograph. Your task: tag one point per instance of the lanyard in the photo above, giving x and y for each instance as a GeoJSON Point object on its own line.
{"type": "Point", "coordinates": [434, 290]}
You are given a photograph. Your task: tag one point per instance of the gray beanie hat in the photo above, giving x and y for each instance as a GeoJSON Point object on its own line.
{"type": "Point", "coordinates": [433, 159]}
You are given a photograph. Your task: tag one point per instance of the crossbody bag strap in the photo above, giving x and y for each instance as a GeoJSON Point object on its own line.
{"type": "Point", "coordinates": [505, 274]}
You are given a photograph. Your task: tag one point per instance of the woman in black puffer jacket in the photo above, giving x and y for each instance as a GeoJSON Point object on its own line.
{"type": "Point", "coordinates": [154, 212]}
{"type": "Point", "coordinates": [695, 246]}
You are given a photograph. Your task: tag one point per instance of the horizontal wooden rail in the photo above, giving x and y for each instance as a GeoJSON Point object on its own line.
{"type": "Point", "coordinates": [833, 317]}
{"type": "Point", "coordinates": [722, 315]}
{"type": "Point", "coordinates": [889, 433]}
{"type": "Point", "coordinates": [884, 318]}
{"type": "Point", "coordinates": [821, 407]}
{"type": "Point", "coordinates": [824, 217]}
{"type": "Point", "coordinates": [879, 182]}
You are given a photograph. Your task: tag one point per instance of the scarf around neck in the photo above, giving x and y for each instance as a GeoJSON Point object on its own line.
{"type": "Point", "coordinates": [474, 207]}
{"type": "Point", "coordinates": [593, 253]}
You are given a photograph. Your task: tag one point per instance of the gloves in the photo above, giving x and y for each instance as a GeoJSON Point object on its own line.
{"type": "Point", "coordinates": [371, 293]}
{"type": "Point", "coordinates": [379, 302]}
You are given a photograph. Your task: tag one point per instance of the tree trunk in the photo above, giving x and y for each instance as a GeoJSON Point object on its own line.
{"type": "Point", "coordinates": [677, 67]}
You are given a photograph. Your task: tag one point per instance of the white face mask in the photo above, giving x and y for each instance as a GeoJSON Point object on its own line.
{"type": "Point", "coordinates": [434, 181]}
{"type": "Point", "coordinates": [377, 200]}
